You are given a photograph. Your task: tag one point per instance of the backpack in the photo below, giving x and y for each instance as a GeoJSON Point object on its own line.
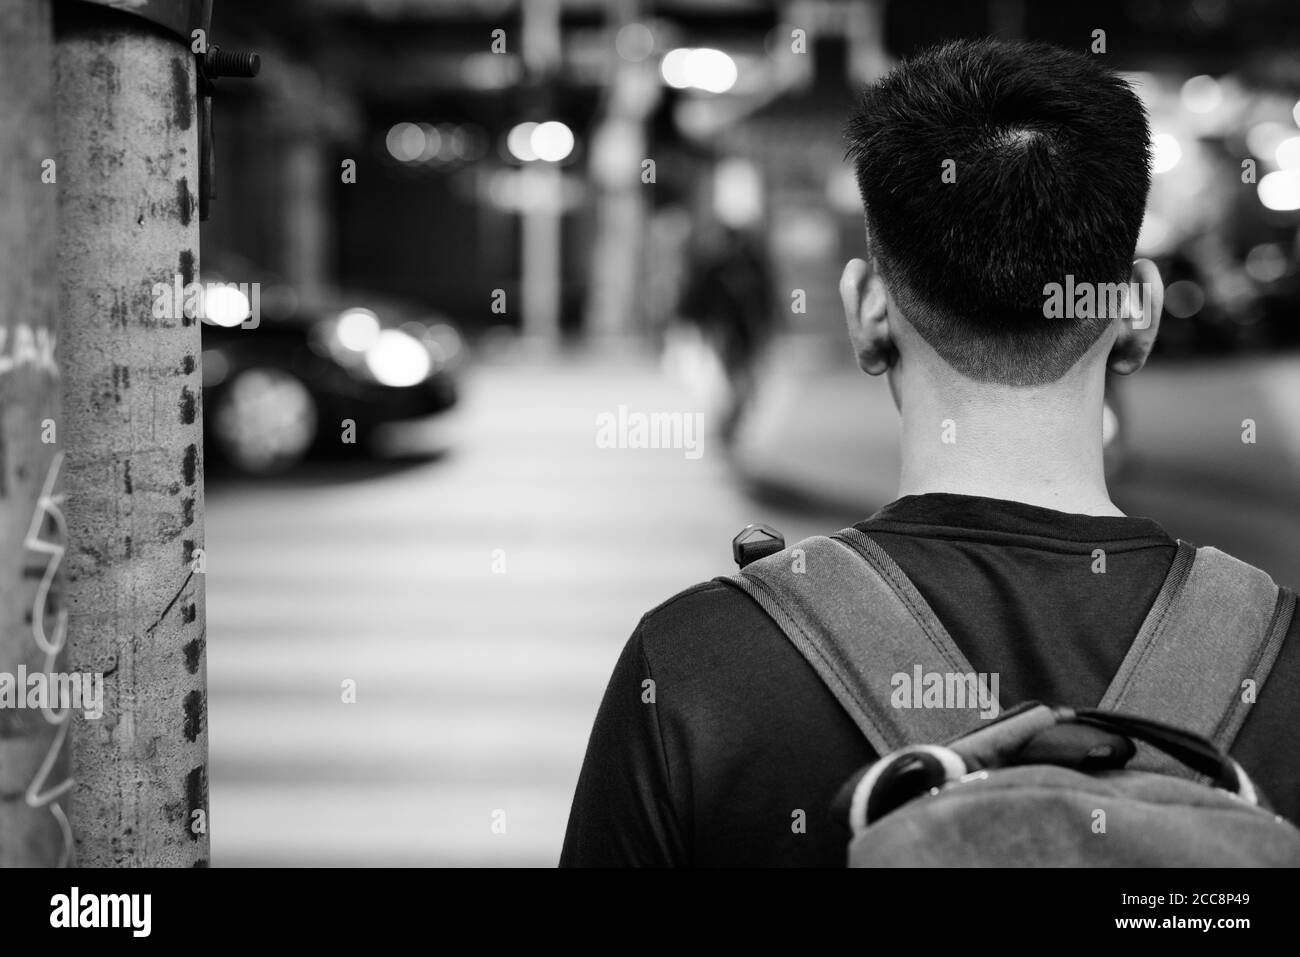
{"type": "Point", "coordinates": [1144, 779]}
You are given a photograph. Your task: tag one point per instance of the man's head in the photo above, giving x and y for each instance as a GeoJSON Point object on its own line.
{"type": "Point", "coordinates": [989, 171]}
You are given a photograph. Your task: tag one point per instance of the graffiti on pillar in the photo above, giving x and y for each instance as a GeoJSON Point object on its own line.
{"type": "Point", "coordinates": [49, 506]}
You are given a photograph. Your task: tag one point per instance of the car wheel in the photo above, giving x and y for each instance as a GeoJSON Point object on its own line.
{"type": "Point", "coordinates": [264, 420]}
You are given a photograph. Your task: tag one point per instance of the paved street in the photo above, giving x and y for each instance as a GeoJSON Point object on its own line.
{"type": "Point", "coordinates": [475, 688]}
{"type": "Point", "coordinates": [478, 599]}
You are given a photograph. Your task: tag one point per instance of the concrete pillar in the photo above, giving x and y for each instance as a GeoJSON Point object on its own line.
{"type": "Point", "coordinates": [132, 421]}
{"type": "Point", "coordinates": [541, 260]}
{"type": "Point", "coordinates": [32, 821]}
{"type": "Point", "coordinates": [306, 225]}
{"type": "Point", "coordinates": [616, 299]}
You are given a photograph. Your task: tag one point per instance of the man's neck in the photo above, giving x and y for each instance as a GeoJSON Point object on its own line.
{"type": "Point", "coordinates": [1037, 446]}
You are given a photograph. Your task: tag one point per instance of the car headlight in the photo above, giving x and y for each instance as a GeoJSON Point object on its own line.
{"type": "Point", "coordinates": [226, 306]}
{"type": "Point", "coordinates": [448, 341]}
{"type": "Point", "coordinates": [397, 359]}
{"type": "Point", "coordinates": [357, 330]}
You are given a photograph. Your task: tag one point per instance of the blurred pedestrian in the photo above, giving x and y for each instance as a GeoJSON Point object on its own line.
{"type": "Point", "coordinates": [727, 295]}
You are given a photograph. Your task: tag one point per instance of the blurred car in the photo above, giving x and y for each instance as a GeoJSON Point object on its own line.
{"type": "Point", "coordinates": [296, 381]}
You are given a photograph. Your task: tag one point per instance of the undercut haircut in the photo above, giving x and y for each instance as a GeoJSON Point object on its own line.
{"type": "Point", "coordinates": [1049, 173]}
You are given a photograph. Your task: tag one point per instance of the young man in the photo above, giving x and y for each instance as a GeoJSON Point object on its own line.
{"type": "Point", "coordinates": [989, 172]}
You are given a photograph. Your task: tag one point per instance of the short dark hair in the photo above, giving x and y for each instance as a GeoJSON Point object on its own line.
{"type": "Point", "coordinates": [1052, 168]}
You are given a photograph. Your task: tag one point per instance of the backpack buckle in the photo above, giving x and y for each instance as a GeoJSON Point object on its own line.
{"type": "Point", "coordinates": [754, 542]}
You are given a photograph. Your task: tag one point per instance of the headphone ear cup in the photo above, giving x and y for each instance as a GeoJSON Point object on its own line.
{"type": "Point", "coordinates": [908, 775]}
{"type": "Point", "coordinates": [899, 777]}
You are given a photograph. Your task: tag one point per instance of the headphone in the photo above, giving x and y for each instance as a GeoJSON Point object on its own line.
{"type": "Point", "coordinates": [1085, 739]}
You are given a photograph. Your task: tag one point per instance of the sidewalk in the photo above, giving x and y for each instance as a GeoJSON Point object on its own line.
{"type": "Point", "coordinates": [476, 688]}
{"type": "Point", "coordinates": [479, 601]}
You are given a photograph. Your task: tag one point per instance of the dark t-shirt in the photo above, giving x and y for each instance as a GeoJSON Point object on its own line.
{"type": "Point", "coordinates": [742, 735]}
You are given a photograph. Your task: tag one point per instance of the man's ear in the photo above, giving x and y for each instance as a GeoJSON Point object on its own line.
{"type": "Point", "coordinates": [866, 308]}
{"type": "Point", "coordinates": [1137, 330]}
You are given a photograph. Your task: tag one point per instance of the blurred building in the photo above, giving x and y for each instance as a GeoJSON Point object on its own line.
{"type": "Point", "coordinates": [443, 105]}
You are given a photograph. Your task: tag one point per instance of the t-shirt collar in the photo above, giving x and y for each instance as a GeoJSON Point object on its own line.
{"type": "Point", "coordinates": [977, 513]}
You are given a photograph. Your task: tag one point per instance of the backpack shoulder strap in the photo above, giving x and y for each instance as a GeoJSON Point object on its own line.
{"type": "Point", "coordinates": [1215, 623]}
{"type": "Point", "coordinates": [865, 629]}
